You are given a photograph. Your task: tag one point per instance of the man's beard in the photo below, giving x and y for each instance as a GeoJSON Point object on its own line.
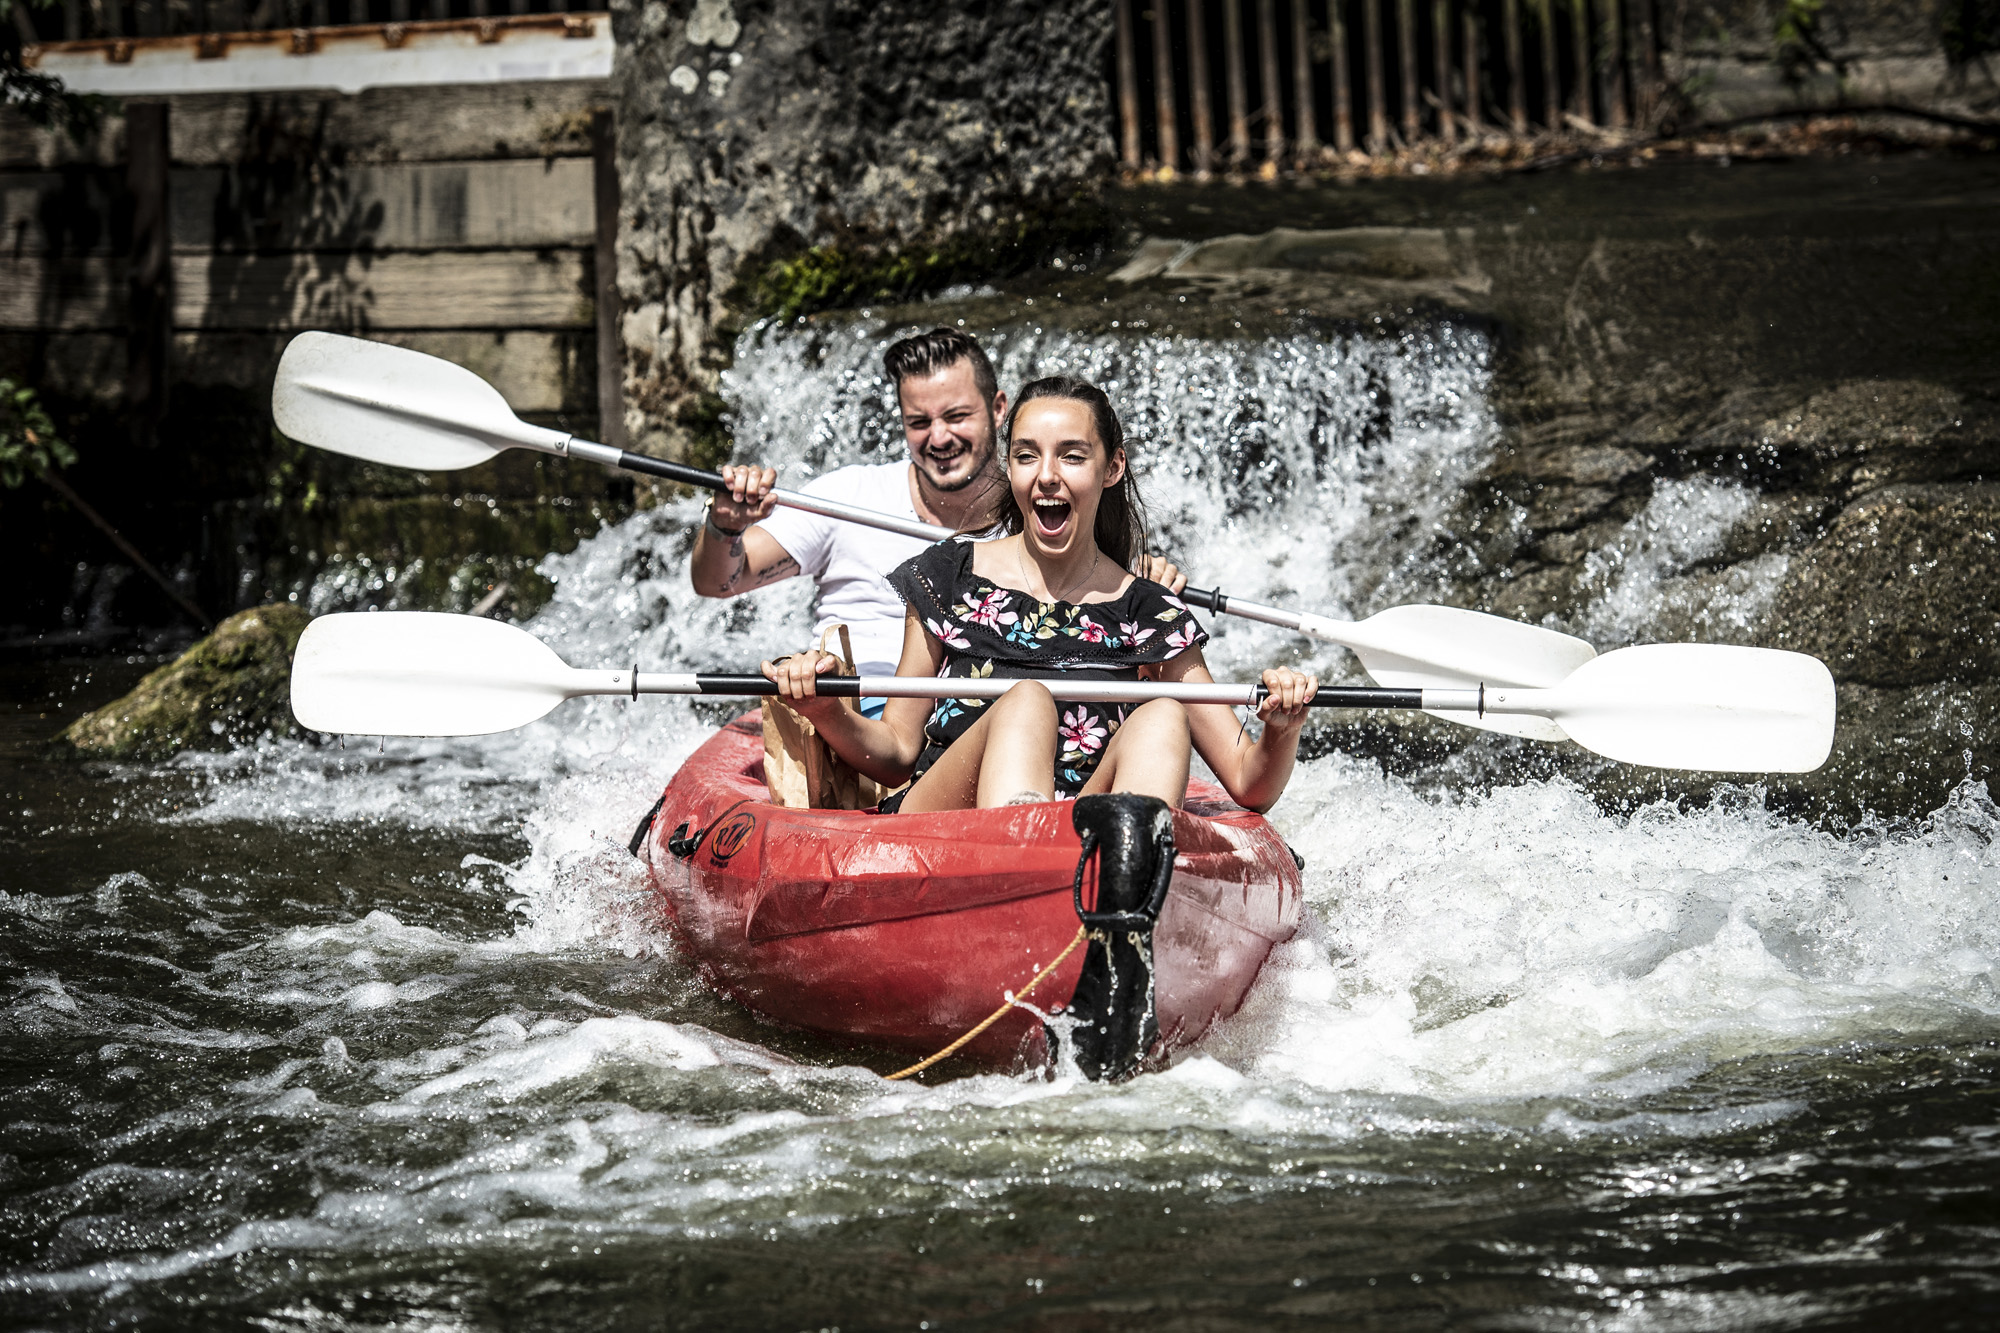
{"type": "Point", "coordinates": [984, 467]}
{"type": "Point", "coordinates": [953, 487]}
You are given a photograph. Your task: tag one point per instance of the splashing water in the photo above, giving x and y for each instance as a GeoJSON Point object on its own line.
{"type": "Point", "coordinates": [1442, 920]}
{"type": "Point", "coordinates": [1644, 575]}
{"type": "Point", "coordinates": [533, 1075]}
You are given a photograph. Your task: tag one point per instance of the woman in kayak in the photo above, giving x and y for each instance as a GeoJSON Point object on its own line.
{"type": "Point", "coordinates": [1053, 595]}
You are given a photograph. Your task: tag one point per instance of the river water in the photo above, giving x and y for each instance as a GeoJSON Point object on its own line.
{"type": "Point", "coordinates": [387, 1036]}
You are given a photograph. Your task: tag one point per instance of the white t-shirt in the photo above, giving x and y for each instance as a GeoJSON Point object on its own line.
{"type": "Point", "coordinates": [851, 561]}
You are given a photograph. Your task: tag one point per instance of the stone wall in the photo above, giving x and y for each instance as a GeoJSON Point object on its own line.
{"type": "Point", "coordinates": [775, 156]}
{"type": "Point", "coordinates": [1733, 58]}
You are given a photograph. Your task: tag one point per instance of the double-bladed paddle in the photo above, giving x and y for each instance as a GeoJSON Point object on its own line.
{"type": "Point", "coordinates": [404, 408]}
{"type": "Point", "coordinates": [1670, 705]}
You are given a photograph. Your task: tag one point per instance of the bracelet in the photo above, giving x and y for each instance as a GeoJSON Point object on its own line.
{"type": "Point", "coordinates": [708, 519]}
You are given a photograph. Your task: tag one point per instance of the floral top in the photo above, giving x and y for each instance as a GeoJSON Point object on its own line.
{"type": "Point", "coordinates": [988, 630]}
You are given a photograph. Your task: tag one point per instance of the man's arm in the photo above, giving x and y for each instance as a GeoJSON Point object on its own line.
{"type": "Point", "coordinates": [727, 566]}
{"type": "Point", "coordinates": [731, 554]}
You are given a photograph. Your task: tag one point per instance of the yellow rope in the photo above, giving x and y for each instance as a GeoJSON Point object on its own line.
{"type": "Point", "coordinates": [995, 1016]}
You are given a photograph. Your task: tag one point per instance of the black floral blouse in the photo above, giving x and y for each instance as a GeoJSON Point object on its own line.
{"type": "Point", "coordinates": [990, 631]}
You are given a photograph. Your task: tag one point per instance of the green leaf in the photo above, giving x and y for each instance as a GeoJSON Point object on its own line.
{"type": "Point", "coordinates": [29, 445]}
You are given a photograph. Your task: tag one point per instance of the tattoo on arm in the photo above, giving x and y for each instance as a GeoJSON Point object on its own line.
{"type": "Point", "coordinates": [784, 567]}
{"type": "Point", "coordinates": [737, 566]}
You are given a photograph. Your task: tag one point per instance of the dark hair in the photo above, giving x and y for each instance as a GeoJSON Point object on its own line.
{"type": "Point", "coordinates": [928, 353]}
{"type": "Point", "coordinates": [1120, 531]}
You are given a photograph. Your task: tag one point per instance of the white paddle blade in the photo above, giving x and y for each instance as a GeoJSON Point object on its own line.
{"type": "Point", "coordinates": [1448, 648]}
{"type": "Point", "coordinates": [1711, 707]}
{"type": "Point", "coordinates": [395, 406]}
{"type": "Point", "coordinates": [421, 673]}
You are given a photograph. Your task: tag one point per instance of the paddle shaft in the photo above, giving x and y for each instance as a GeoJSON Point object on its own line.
{"type": "Point", "coordinates": [628, 461]}
{"type": "Point", "coordinates": [1678, 705]}
{"type": "Point", "coordinates": [946, 687]}
{"type": "Point", "coordinates": [1208, 599]}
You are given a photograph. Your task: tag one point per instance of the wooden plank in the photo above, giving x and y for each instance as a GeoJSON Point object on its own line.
{"type": "Point", "coordinates": [356, 293]}
{"type": "Point", "coordinates": [403, 206]}
{"type": "Point", "coordinates": [40, 293]}
{"type": "Point", "coordinates": [507, 289]}
{"type": "Point", "coordinates": [539, 373]}
{"type": "Point", "coordinates": [68, 212]}
{"type": "Point", "coordinates": [440, 124]}
{"type": "Point", "coordinates": [149, 272]}
{"type": "Point", "coordinates": [399, 206]}
{"type": "Point", "coordinates": [604, 265]}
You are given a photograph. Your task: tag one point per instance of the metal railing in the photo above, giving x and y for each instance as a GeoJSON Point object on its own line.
{"type": "Point", "coordinates": [1262, 86]}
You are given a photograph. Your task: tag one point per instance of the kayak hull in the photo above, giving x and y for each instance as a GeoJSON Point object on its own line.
{"type": "Point", "coordinates": [904, 931]}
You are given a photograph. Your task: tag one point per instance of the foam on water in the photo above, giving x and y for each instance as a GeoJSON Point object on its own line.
{"type": "Point", "coordinates": [1512, 961]}
{"type": "Point", "coordinates": [1522, 943]}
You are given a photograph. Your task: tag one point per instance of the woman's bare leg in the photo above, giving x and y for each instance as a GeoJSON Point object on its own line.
{"type": "Point", "coordinates": [1012, 749]}
{"type": "Point", "coordinates": [1148, 756]}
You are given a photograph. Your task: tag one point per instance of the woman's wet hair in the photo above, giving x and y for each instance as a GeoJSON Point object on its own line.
{"type": "Point", "coordinates": [1120, 530]}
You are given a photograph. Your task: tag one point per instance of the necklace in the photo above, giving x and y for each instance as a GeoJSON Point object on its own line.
{"type": "Point", "coordinates": [1021, 561]}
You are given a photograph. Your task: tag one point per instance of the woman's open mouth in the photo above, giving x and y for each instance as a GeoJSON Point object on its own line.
{"type": "Point", "coordinates": [1051, 517]}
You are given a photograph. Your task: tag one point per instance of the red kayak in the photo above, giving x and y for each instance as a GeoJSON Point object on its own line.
{"type": "Point", "coordinates": [905, 931]}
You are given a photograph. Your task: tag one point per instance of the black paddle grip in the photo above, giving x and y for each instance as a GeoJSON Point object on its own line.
{"type": "Point", "coordinates": [680, 472]}
{"type": "Point", "coordinates": [832, 687]}
{"type": "Point", "coordinates": [1352, 696]}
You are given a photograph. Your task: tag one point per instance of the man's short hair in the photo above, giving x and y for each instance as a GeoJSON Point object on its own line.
{"type": "Point", "coordinates": [928, 353]}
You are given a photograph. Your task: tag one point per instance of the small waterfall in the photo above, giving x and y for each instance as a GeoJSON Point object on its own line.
{"type": "Point", "coordinates": [1298, 471]}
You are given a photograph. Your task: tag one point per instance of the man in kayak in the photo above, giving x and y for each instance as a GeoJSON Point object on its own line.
{"type": "Point", "coordinates": [950, 401]}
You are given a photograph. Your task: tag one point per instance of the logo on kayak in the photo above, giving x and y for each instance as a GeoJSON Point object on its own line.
{"type": "Point", "coordinates": [728, 839]}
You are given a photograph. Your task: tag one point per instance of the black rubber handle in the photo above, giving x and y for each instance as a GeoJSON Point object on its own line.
{"type": "Point", "coordinates": [832, 687]}
{"type": "Point", "coordinates": [680, 472]}
{"type": "Point", "coordinates": [1360, 696]}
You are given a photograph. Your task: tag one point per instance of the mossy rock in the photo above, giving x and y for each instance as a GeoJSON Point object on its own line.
{"type": "Point", "coordinates": [228, 690]}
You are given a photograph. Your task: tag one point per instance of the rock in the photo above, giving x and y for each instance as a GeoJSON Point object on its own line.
{"type": "Point", "coordinates": [1902, 751]}
{"type": "Point", "coordinates": [1586, 464]}
{"type": "Point", "coordinates": [1903, 590]}
{"type": "Point", "coordinates": [780, 158]}
{"type": "Point", "coordinates": [1381, 252]}
{"type": "Point", "coordinates": [1559, 508]}
{"type": "Point", "coordinates": [228, 690]}
{"type": "Point", "coordinates": [1859, 436]}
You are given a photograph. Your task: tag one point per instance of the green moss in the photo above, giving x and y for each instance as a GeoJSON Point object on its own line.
{"type": "Point", "coordinates": [227, 690]}
{"type": "Point", "coordinates": [830, 277]}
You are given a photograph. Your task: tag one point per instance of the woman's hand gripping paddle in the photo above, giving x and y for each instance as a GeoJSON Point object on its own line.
{"type": "Point", "coordinates": [1671, 705]}
{"type": "Point", "coordinates": [397, 406]}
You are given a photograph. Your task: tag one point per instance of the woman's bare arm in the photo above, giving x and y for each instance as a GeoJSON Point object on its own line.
{"type": "Point", "coordinates": [886, 750]}
{"type": "Point", "coordinates": [1254, 773]}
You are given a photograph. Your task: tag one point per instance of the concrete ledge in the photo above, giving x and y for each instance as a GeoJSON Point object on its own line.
{"type": "Point", "coordinates": [349, 59]}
